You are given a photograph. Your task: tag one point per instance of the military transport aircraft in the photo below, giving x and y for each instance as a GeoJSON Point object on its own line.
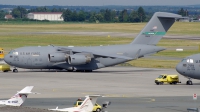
{"type": "Point", "coordinates": [19, 98]}
{"type": "Point", "coordinates": [87, 105]}
{"type": "Point", "coordinates": [190, 68]}
{"type": "Point", "coordinates": [91, 58]}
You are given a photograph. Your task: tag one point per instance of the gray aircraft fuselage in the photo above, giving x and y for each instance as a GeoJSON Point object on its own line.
{"type": "Point", "coordinates": [190, 66]}
{"type": "Point", "coordinates": [37, 57]}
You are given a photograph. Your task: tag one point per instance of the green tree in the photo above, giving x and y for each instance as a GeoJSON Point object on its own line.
{"type": "Point", "coordinates": [133, 17]}
{"type": "Point", "coordinates": [74, 16]}
{"type": "Point", "coordinates": [67, 15]}
{"type": "Point", "coordinates": [81, 16]}
{"type": "Point", "coordinates": [2, 14]}
{"type": "Point", "coordinates": [42, 9]}
{"type": "Point", "coordinates": [183, 12]}
{"type": "Point", "coordinates": [99, 17]}
{"type": "Point", "coordinates": [54, 10]}
{"type": "Point", "coordinates": [123, 16]}
{"type": "Point", "coordinates": [113, 15]}
{"type": "Point", "coordinates": [107, 15]}
{"type": "Point", "coordinates": [141, 14]}
{"type": "Point", "coordinates": [19, 12]}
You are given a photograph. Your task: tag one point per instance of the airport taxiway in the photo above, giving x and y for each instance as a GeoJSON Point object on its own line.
{"type": "Point", "coordinates": [129, 89]}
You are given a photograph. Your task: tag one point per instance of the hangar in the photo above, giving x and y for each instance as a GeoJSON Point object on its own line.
{"type": "Point", "coordinates": [51, 16]}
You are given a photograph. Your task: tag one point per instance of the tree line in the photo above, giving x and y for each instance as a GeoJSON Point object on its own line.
{"type": "Point", "coordinates": [104, 15]}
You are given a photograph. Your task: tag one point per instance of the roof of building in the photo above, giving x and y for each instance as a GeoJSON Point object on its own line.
{"type": "Point", "coordinates": [8, 16]}
{"type": "Point", "coordinates": [46, 12]}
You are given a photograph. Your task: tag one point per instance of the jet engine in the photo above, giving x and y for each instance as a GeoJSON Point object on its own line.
{"type": "Point", "coordinates": [78, 59]}
{"type": "Point", "coordinates": [57, 57]}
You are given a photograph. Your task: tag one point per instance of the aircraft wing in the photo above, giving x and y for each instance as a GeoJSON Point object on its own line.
{"type": "Point", "coordinates": [97, 54]}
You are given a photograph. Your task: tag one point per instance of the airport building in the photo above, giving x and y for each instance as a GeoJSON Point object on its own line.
{"type": "Point", "coordinates": [51, 16]}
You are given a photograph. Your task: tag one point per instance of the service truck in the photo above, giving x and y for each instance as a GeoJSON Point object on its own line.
{"type": "Point", "coordinates": [165, 78]}
{"type": "Point", "coordinates": [97, 107]}
{"type": "Point", "coordinates": [3, 66]}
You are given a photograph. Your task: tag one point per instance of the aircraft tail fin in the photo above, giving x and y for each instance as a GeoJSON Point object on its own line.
{"type": "Point", "coordinates": [19, 98]}
{"type": "Point", "coordinates": [89, 103]}
{"type": "Point", "coordinates": [156, 28]}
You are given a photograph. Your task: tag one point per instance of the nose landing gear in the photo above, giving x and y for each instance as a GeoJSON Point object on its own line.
{"type": "Point", "coordinates": [189, 82]}
{"type": "Point", "coordinates": [15, 70]}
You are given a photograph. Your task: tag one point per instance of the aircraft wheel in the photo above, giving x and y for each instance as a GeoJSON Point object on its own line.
{"type": "Point", "coordinates": [190, 83]}
{"type": "Point", "coordinates": [98, 110]}
{"type": "Point", "coordinates": [15, 70]}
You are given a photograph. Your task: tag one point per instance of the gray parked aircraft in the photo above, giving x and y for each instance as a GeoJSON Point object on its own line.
{"type": "Point", "coordinates": [91, 58]}
{"type": "Point", "coordinates": [190, 68]}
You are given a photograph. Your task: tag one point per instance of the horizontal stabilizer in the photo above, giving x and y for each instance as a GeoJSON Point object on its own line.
{"type": "Point", "coordinates": [26, 90]}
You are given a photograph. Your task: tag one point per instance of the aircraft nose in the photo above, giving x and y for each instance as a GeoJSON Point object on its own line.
{"type": "Point", "coordinates": [7, 59]}
{"type": "Point", "coordinates": [179, 68]}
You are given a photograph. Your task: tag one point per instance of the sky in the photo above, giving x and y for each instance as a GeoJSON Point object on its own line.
{"type": "Point", "coordinates": [98, 2]}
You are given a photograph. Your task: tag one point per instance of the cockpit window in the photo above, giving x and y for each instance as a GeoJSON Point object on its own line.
{"type": "Point", "coordinates": [190, 60]}
{"type": "Point", "coordinates": [15, 53]}
{"type": "Point", "coordinates": [183, 60]}
{"type": "Point", "coordinates": [11, 52]}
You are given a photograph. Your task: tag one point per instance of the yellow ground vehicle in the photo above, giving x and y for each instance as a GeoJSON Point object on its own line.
{"type": "Point", "coordinates": [165, 78]}
{"type": "Point", "coordinates": [5, 68]}
{"type": "Point", "coordinates": [97, 107]}
{"type": "Point", "coordinates": [1, 53]}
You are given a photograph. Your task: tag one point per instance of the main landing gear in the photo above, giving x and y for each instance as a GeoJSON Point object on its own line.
{"type": "Point", "coordinates": [189, 82]}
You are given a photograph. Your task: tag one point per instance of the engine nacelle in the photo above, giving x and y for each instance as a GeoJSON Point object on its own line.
{"type": "Point", "coordinates": [78, 59]}
{"type": "Point", "coordinates": [57, 57]}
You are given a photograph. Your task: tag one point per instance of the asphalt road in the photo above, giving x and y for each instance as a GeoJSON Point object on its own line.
{"type": "Point", "coordinates": [129, 89]}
